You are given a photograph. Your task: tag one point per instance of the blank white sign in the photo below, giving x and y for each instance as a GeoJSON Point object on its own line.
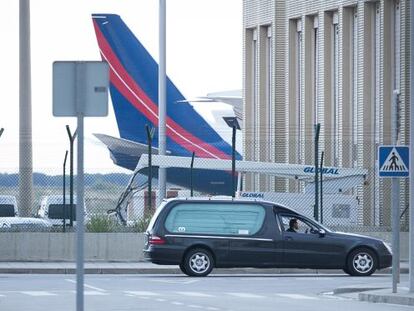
{"type": "Point", "coordinates": [80, 87]}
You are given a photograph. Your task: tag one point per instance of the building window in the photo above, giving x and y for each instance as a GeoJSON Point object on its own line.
{"type": "Point", "coordinates": [354, 74]}
{"type": "Point", "coordinates": [254, 95]}
{"type": "Point", "coordinates": [269, 82]}
{"type": "Point", "coordinates": [315, 68]}
{"type": "Point", "coordinates": [299, 99]}
{"type": "Point", "coordinates": [397, 48]}
{"type": "Point", "coordinates": [335, 81]}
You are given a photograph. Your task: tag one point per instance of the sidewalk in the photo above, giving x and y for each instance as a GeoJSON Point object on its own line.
{"type": "Point", "coordinates": [146, 268]}
{"type": "Point", "coordinates": [379, 293]}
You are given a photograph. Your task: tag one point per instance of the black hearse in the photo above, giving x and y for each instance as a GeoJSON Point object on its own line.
{"type": "Point", "coordinates": [200, 234]}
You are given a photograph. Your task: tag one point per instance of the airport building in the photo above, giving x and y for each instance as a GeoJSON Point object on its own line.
{"type": "Point", "coordinates": [336, 63]}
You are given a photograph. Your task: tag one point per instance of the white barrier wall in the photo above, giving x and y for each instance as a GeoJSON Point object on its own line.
{"type": "Point", "coordinates": [45, 246]}
{"type": "Point", "coordinates": [121, 247]}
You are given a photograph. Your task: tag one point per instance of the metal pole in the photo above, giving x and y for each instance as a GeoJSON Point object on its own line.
{"type": "Point", "coordinates": [411, 164]}
{"type": "Point", "coordinates": [1, 131]}
{"type": "Point", "coordinates": [25, 112]}
{"type": "Point", "coordinates": [191, 174]}
{"type": "Point", "coordinates": [162, 92]}
{"type": "Point", "coordinates": [395, 204]}
{"type": "Point", "coordinates": [321, 190]}
{"type": "Point", "coordinates": [71, 141]}
{"type": "Point", "coordinates": [64, 191]}
{"type": "Point", "coordinates": [233, 163]}
{"type": "Point", "coordinates": [316, 208]}
{"type": "Point", "coordinates": [80, 98]}
{"type": "Point", "coordinates": [149, 138]}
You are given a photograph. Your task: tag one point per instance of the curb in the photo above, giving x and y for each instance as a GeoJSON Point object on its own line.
{"type": "Point", "coordinates": [160, 270]}
{"type": "Point", "coordinates": [387, 298]}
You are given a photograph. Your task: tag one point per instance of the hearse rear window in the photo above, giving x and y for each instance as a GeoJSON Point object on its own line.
{"type": "Point", "coordinates": [220, 218]}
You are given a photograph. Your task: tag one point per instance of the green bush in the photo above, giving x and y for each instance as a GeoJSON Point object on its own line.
{"type": "Point", "coordinates": [141, 225]}
{"type": "Point", "coordinates": [101, 223]}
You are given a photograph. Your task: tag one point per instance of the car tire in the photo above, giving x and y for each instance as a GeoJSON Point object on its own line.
{"type": "Point", "coordinates": [361, 262]}
{"type": "Point", "coordinates": [182, 268]}
{"type": "Point", "coordinates": [198, 262]}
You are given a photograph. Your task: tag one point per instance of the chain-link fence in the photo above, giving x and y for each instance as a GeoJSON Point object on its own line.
{"type": "Point", "coordinates": [117, 202]}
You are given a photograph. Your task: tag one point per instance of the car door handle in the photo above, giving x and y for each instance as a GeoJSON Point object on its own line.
{"type": "Point", "coordinates": [288, 238]}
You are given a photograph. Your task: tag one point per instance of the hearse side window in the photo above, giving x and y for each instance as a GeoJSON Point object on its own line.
{"type": "Point", "coordinates": [219, 218]}
{"type": "Point", "coordinates": [304, 226]}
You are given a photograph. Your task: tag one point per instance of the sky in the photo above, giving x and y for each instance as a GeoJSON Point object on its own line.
{"type": "Point", "coordinates": [204, 55]}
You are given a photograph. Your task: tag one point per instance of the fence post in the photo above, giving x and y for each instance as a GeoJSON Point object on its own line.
{"type": "Point", "coordinates": [316, 207]}
{"type": "Point", "coordinates": [71, 141]}
{"type": "Point", "coordinates": [64, 191]}
{"type": "Point", "coordinates": [321, 190]}
{"type": "Point", "coordinates": [150, 134]}
{"type": "Point", "coordinates": [191, 174]}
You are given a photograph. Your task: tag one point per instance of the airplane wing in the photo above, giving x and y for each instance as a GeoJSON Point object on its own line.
{"type": "Point", "coordinates": [232, 98]}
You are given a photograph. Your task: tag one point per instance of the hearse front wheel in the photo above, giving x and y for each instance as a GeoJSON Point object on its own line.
{"type": "Point", "coordinates": [362, 262]}
{"type": "Point", "coordinates": [198, 262]}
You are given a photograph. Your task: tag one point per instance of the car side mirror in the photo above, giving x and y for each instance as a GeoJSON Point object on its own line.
{"type": "Point", "coordinates": [322, 233]}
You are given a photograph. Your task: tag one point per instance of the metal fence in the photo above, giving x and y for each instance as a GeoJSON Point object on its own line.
{"type": "Point", "coordinates": [360, 207]}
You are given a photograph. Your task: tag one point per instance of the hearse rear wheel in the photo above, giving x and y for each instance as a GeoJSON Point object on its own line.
{"type": "Point", "coordinates": [198, 262]}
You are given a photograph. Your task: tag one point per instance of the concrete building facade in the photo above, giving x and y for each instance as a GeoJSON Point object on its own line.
{"type": "Point", "coordinates": [333, 62]}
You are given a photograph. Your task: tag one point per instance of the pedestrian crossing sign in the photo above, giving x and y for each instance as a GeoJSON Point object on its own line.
{"type": "Point", "coordinates": [393, 161]}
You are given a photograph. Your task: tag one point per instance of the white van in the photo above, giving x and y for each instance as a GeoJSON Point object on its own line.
{"type": "Point", "coordinates": [8, 206]}
{"type": "Point", "coordinates": [52, 208]}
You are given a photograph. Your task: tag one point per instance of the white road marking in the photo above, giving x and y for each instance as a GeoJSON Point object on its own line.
{"type": "Point", "coordinates": [195, 294]}
{"type": "Point", "coordinates": [86, 285]}
{"type": "Point", "coordinates": [195, 306]}
{"type": "Point", "coordinates": [212, 308]}
{"type": "Point", "coordinates": [141, 293]}
{"type": "Point", "coordinates": [174, 281]}
{"type": "Point", "coordinates": [38, 293]}
{"type": "Point", "coordinates": [313, 278]}
{"type": "Point", "coordinates": [177, 303]}
{"type": "Point", "coordinates": [245, 295]}
{"type": "Point", "coordinates": [297, 296]}
{"type": "Point", "coordinates": [95, 293]}
{"type": "Point", "coordinates": [160, 299]}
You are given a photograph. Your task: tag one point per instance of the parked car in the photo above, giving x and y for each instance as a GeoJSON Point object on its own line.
{"type": "Point", "coordinates": [52, 209]}
{"type": "Point", "coordinates": [200, 234]}
{"type": "Point", "coordinates": [24, 224]}
{"type": "Point", "coordinates": [8, 206]}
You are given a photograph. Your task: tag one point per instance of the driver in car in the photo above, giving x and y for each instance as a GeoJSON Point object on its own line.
{"type": "Point", "coordinates": [293, 225]}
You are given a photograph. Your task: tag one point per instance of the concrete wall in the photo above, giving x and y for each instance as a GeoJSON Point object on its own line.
{"type": "Point", "coordinates": [43, 246]}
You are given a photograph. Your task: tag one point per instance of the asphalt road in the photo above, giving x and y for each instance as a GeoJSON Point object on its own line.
{"type": "Point", "coordinates": [181, 293]}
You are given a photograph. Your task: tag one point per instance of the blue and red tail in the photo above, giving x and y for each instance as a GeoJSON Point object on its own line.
{"type": "Point", "coordinates": [134, 93]}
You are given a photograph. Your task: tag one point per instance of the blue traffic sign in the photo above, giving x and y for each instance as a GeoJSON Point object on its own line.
{"type": "Point", "coordinates": [393, 161]}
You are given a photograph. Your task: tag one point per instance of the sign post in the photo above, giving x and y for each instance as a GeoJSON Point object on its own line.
{"type": "Point", "coordinates": [393, 163]}
{"type": "Point", "coordinates": [80, 89]}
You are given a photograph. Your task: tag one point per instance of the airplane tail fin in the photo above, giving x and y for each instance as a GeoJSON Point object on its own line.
{"type": "Point", "coordinates": [134, 93]}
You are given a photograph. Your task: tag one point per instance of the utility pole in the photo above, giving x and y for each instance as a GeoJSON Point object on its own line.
{"type": "Point", "coordinates": [162, 94]}
{"type": "Point", "coordinates": [25, 112]}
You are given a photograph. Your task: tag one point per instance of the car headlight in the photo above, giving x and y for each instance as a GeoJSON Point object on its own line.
{"type": "Point", "coordinates": [388, 247]}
